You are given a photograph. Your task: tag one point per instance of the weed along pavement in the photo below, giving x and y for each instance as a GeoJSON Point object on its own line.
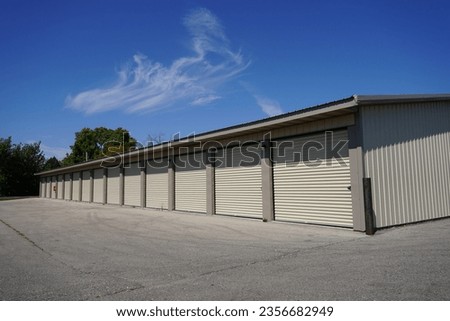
{"type": "Point", "coordinates": [58, 250]}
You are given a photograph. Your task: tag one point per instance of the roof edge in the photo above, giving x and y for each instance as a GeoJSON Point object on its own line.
{"type": "Point", "coordinates": [390, 99]}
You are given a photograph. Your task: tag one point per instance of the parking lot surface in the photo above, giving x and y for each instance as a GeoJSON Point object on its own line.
{"type": "Point", "coordinates": [60, 250]}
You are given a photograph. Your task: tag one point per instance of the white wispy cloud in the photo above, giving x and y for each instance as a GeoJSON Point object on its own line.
{"type": "Point", "coordinates": [205, 100]}
{"type": "Point", "coordinates": [269, 106]}
{"type": "Point", "coordinates": [58, 152]}
{"type": "Point", "coordinates": [145, 85]}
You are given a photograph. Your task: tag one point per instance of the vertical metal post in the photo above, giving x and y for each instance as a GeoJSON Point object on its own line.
{"type": "Point", "coordinates": [91, 186]}
{"type": "Point", "coordinates": [80, 186]}
{"type": "Point", "coordinates": [171, 177]}
{"type": "Point", "coordinates": [143, 172]}
{"type": "Point", "coordinates": [63, 186]}
{"type": "Point", "coordinates": [121, 185]}
{"type": "Point", "coordinates": [210, 183]}
{"type": "Point", "coordinates": [267, 181]}
{"type": "Point", "coordinates": [368, 208]}
{"type": "Point", "coordinates": [71, 186]}
{"type": "Point", "coordinates": [105, 186]}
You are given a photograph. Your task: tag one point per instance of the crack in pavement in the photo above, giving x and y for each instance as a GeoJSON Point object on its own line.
{"type": "Point", "coordinates": [34, 244]}
{"type": "Point", "coordinates": [276, 258]}
{"type": "Point", "coordinates": [270, 259]}
{"type": "Point", "coordinates": [140, 286]}
{"type": "Point", "coordinates": [25, 237]}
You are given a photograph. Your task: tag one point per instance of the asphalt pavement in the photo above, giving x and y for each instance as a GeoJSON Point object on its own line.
{"type": "Point", "coordinates": [61, 250]}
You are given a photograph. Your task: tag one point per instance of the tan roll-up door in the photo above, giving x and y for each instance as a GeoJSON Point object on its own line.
{"type": "Point", "coordinates": [76, 187]}
{"type": "Point", "coordinates": [238, 181]}
{"type": "Point", "coordinates": [98, 185]}
{"type": "Point", "coordinates": [190, 183]}
{"type": "Point", "coordinates": [86, 188]}
{"type": "Point", "coordinates": [312, 187]}
{"type": "Point", "coordinates": [42, 188]}
{"type": "Point", "coordinates": [54, 186]}
{"type": "Point", "coordinates": [157, 184]}
{"type": "Point", "coordinates": [113, 187]}
{"type": "Point", "coordinates": [59, 187]}
{"type": "Point", "coordinates": [132, 185]}
{"type": "Point", "coordinates": [48, 187]}
{"type": "Point", "coordinates": [67, 191]}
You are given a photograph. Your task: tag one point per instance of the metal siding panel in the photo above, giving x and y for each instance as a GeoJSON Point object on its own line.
{"type": "Point", "coordinates": [157, 185]}
{"type": "Point", "coordinates": [132, 185]}
{"type": "Point", "coordinates": [238, 188]}
{"type": "Point", "coordinates": [98, 185]}
{"type": "Point", "coordinates": [292, 149]}
{"type": "Point", "coordinates": [113, 186]}
{"type": "Point", "coordinates": [86, 188]}
{"type": "Point", "coordinates": [67, 191]}
{"type": "Point", "coordinates": [190, 183]}
{"type": "Point", "coordinates": [76, 186]}
{"type": "Point", "coordinates": [60, 187]}
{"type": "Point", "coordinates": [406, 155]}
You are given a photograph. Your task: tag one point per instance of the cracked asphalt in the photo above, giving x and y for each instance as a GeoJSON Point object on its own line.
{"type": "Point", "coordinates": [59, 250]}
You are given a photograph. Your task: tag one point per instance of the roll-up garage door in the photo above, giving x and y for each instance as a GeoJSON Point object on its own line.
{"type": "Point", "coordinates": [59, 187]}
{"type": "Point", "coordinates": [67, 191]}
{"type": "Point", "coordinates": [190, 183]}
{"type": "Point", "coordinates": [98, 185]}
{"type": "Point", "coordinates": [42, 189]}
{"type": "Point", "coordinates": [157, 184]}
{"type": "Point", "coordinates": [310, 186]}
{"type": "Point", "coordinates": [132, 185]}
{"type": "Point", "coordinates": [54, 186]}
{"type": "Point", "coordinates": [86, 188]}
{"type": "Point", "coordinates": [76, 186]}
{"type": "Point", "coordinates": [48, 187]}
{"type": "Point", "coordinates": [238, 182]}
{"type": "Point", "coordinates": [113, 186]}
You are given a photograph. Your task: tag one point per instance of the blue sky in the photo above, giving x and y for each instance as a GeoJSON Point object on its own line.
{"type": "Point", "coordinates": [163, 67]}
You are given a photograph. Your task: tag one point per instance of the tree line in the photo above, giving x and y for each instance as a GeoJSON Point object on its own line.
{"type": "Point", "coordinates": [19, 162]}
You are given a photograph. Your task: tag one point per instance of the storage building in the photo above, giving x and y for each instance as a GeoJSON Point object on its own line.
{"type": "Point", "coordinates": [360, 162]}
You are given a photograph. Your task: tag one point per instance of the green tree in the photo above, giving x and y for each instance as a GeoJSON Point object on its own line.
{"type": "Point", "coordinates": [98, 143]}
{"type": "Point", "coordinates": [51, 163]}
{"type": "Point", "coordinates": [18, 164]}
{"type": "Point", "coordinates": [5, 156]}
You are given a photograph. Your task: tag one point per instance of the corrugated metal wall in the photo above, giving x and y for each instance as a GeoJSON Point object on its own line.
{"type": "Point", "coordinates": [132, 185]}
{"type": "Point", "coordinates": [190, 183]}
{"type": "Point", "coordinates": [67, 191]}
{"type": "Point", "coordinates": [86, 188]}
{"type": "Point", "coordinates": [98, 185]}
{"type": "Point", "coordinates": [238, 182]}
{"type": "Point", "coordinates": [407, 156]}
{"type": "Point", "coordinates": [157, 184]}
{"type": "Point", "coordinates": [312, 187]}
{"type": "Point", "coordinates": [76, 186]}
{"type": "Point", "coordinates": [113, 188]}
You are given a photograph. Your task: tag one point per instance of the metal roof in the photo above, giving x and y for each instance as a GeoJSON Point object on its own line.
{"type": "Point", "coordinates": [330, 109]}
{"type": "Point", "coordinates": [392, 99]}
